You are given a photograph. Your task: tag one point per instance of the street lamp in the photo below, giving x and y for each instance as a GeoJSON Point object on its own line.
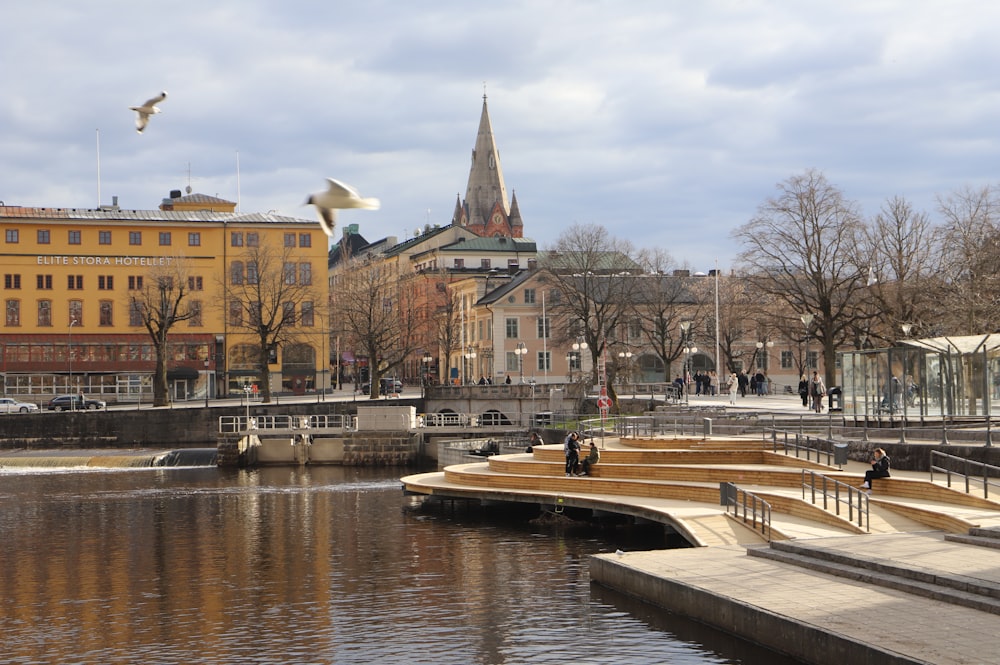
{"type": "Point", "coordinates": [626, 357]}
{"type": "Point", "coordinates": [762, 358]}
{"type": "Point", "coordinates": [520, 351]}
{"type": "Point", "coordinates": [69, 356]}
{"type": "Point", "coordinates": [807, 320]}
{"type": "Point", "coordinates": [579, 347]}
{"type": "Point", "coordinates": [426, 360]}
{"type": "Point", "coordinates": [470, 357]}
{"type": "Point", "coordinates": [207, 383]}
{"type": "Point", "coordinates": [689, 349]}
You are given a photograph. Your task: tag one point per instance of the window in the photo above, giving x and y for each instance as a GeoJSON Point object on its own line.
{"type": "Point", "coordinates": [513, 361]}
{"type": "Point", "coordinates": [194, 239]}
{"type": "Point", "coordinates": [512, 265]}
{"type": "Point", "coordinates": [74, 282]}
{"type": "Point", "coordinates": [76, 311]}
{"type": "Point", "coordinates": [43, 282]}
{"type": "Point", "coordinates": [13, 312]}
{"type": "Point", "coordinates": [235, 314]}
{"type": "Point", "coordinates": [544, 361]}
{"type": "Point", "coordinates": [253, 240]}
{"type": "Point", "coordinates": [543, 327]}
{"type": "Point", "coordinates": [305, 274]}
{"type": "Point", "coordinates": [236, 272]}
{"type": "Point", "coordinates": [105, 282]}
{"type": "Point", "coordinates": [75, 237]}
{"type": "Point", "coordinates": [135, 282]}
{"type": "Point", "coordinates": [11, 281]}
{"type": "Point", "coordinates": [12, 236]}
{"type": "Point", "coordinates": [787, 360]}
{"type": "Point", "coordinates": [575, 361]}
{"type": "Point", "coordinates": [236, 239]}
{"type": "Point", "coordinates": [135, 237]}
{"type": "Point", "coordinates": [529, 296]}
{"type": "Point", "coordinates": [511, 328]}
{"type": "Point", "coordinates": [105, 308]}
{"type": "Point", "coordinates": [251, 272]}
{"type": "Point", "coordinates": [43, 237]}
{"type": "Point", "coordinates": [812, 360]}
{"type": "Point", "coordinates": [459, 264]}
{"type": "Point", "coordinates": [288, 313]}
{"type": "Point", "coordinates": [307, 314]}
{"type": "Point", "coordinates": [44, 313]}
{"type": "Point", "coordinates": [135, 313]}
{"type": "Point", "coordinates": [104, 237]}
{"type": "Point", "coordinates": [634, 329]}
{"type": "Point", "coordinates": [288, 270]}
{"type": "Point", "coordinates": [165, 238]}
{"type": "Point", "coordinates": [194, 309]}
{"type": "Point", "coordinates": [195, 283]}
{"type": "Point", "coordinates": [305, 240]}
{"type": "Point", "coordinates": [484, 264]}
{"type": "Point", "coordinates": [289, 240]}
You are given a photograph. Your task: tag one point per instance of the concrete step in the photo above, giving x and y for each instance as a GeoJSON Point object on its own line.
{"type": "Point", "coordinates": [969, 539]}
{"type": "Point", "coordinates": [955, 589]}
{"type": "Point", "coordinates": [985, 532]}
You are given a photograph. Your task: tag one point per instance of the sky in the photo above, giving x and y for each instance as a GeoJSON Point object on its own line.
{"type": "Point", "coordinates": [668, 122]}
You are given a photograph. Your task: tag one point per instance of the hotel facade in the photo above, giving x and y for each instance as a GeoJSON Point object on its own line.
{"type": "Point", "coordinates": [70, 277]}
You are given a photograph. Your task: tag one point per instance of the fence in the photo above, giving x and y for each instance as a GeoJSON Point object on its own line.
{"type": "Point", "coordinates": [950, 462]}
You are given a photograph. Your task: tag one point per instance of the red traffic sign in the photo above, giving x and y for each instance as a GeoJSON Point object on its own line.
{"type": "Point", "coordinates": [604, 402]}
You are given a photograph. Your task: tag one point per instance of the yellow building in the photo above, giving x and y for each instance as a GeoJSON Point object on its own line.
{"type": "Point", "coordinates": [70, 274]}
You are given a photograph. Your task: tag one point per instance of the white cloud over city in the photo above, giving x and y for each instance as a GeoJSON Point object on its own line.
{"type": "Point", "coordinates": [666, 122]}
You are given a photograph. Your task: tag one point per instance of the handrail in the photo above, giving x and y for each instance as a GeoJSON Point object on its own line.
{"type": "Point", "coordinates": [237, 424]}
{"type": "Point", "coordinates": [967, 465]}
{"type": "Point", "coordinates": [746, 503]}
{"type": "Point", "coordinates": [824, 489]}
{"type": "Point", "coordinates": [801, 443]}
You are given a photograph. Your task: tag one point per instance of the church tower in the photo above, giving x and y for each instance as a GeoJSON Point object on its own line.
{"type": "Point", "coordinates": [486, 210]}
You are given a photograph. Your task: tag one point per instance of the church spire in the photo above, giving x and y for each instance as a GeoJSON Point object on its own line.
{"type": "Point", "coordinates": [486, 187]}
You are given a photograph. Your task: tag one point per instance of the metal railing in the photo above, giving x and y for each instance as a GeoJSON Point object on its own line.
{"type": "Point", "coordinates": [971, 471]}
{"type": "Point", "coordinates": [802, 446]}
{"type": "Point", "coordinates": [237, 424]}
{"type": "Point", "coordinates": [824, 488]}
{"type": "Point", "coordinates": [748, 508]}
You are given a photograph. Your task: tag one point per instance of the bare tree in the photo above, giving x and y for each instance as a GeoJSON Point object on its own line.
{"type": "Point", "coordinates": [592, 274]}
{"type": "Point", "coordinates": [378, 309]}
{"type": "Point", "coordinates": [159, 305]}
{"type": "Point", "coordinates": [800, 249]}
{"type": "Point", "coordinates": [971, 260]}
{"type": "Point", "coordinates": [268, 292]}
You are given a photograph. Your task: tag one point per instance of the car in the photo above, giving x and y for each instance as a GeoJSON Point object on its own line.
{"type": "Point", "coordinates": [9, 405]}
{"type": "Point", "coordinates": [386, 386]}
{"type": "Point", "coordinates": [75, 403]}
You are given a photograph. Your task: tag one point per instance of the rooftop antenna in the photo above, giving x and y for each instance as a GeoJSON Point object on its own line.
{"type": "Point", "coordinates": [188, 188]}
{"type": "Point", "coordinates": [237, 181]}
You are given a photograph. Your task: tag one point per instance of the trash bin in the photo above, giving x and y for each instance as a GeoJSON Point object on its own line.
{"type": "Point", "coordinates": [835, 399]}
{"type": "Point", "coordinates": [706, 424]}
{"type": "Point", "coordinates": [840, 454]}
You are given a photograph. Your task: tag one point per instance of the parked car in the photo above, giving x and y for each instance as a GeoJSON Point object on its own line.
{"type": "Point", "coordinates": [75, 403]}
{"type": "Point", "coordinates": [386, 386]}
{"type": "Point", "coordinates": [9, 405]}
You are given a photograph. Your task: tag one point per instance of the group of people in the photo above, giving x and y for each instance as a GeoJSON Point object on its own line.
{"type": "Point", "coordinates": [571, 448]}
{"type": "Point", "coordinates": [812, 391]}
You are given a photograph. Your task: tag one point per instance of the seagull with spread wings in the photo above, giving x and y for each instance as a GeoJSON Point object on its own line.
{"type": "Point", "coordinates": [338, 196]}
{"type": "Point", "coordinates": [147, 109]}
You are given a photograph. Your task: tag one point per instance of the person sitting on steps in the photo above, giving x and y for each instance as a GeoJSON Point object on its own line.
{"type": "Point", "coordinates": [593, 457]}
{"type": "Point", "coordinates": [880, 469]}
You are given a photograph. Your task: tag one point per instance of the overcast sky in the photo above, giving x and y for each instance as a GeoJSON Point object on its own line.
{"type": "Point", "coordinates": [667, 121]}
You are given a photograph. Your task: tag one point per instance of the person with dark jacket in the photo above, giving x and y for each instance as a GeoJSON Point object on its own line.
{"type": "Point", "coordinates": [880, 469]}
{"type": "Point", "coordinates": [572, 449]}
{"type": "Point", "coordinates": [804, 390]}
{"type": "Point", "coordinates": [593, 457]}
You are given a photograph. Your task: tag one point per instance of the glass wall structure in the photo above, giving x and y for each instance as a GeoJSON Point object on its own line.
{"type": "Point", "coordinates": [937, 377]}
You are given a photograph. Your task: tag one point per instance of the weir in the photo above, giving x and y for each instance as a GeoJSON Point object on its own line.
{"type": "Point", "coordinates": [113, 459]}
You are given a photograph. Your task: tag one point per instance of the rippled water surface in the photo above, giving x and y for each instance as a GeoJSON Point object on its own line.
{"type": "Point", "coordinates": [314, 565]}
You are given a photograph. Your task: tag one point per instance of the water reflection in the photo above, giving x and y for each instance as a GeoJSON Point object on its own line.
{"type": "Point", "coordinates": [314, 565]}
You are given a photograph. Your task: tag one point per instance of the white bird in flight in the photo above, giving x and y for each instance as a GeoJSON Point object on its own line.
{"type": "Point", "coordinates": [338, 196]}
{"type": "Point", "coordinates": [147, 109]}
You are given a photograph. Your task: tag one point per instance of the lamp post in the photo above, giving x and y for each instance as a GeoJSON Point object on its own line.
{"type": "Point", "coordinates": [863, 339]}
{"type": "Point", "coordinates": [520, 350]}
{"type": "Point", "coordinates": [626, 357]}
{"type": "Point", "coordinates": [807, 320]}
{"type": "Point", "coordinates": [207, 383]}
{"type": "Point", "coordinates": [762, 359]}
{"type": "Point", "coordinates": [69, 357]}
{"type": "Point", "coordinates": [579, 347]}
{"type": "Point", "coordinates": [689, 348]}
{"type": "Point", "coordinates": [426, 361]}
{"type": "Point", "coordinates": [470, 358]}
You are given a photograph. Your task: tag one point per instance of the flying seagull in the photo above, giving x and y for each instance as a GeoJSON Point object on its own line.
{"type": "Point", "coordinates": [147, 109]}
{"type": "Point", "coordinates": [338, 196]}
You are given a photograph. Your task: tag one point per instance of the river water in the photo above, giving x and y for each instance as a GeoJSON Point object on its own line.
{"type": "Point", "coordinates": [307, 565]}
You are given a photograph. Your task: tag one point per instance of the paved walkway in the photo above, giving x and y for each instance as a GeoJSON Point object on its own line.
{"type": "Point", "coordinates": [910, 627]}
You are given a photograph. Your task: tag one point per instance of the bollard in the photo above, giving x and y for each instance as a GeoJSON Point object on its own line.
{"type": "Point", "coordinates": [706, 424]}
